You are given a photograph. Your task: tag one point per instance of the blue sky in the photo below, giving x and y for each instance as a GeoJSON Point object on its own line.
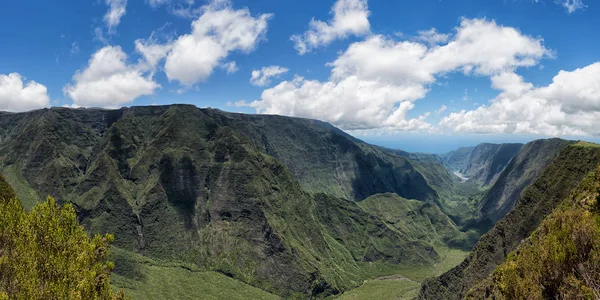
{"type": "Point", "coordinates": [426, 75]}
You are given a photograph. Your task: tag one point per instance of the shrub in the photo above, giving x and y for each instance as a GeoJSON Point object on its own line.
{"type": "Point", "coordinates": [45, 253]}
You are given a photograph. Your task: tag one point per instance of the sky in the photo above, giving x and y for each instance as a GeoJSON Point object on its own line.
{"type": "Point", "coordinates": [427, 76]}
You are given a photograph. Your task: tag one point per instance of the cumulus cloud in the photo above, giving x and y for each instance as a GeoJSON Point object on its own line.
{"type": "Point", "coordinates": [570, 105]}
{"type": "Point", "coordinates": [218, 31]}
{"type": "Point", "coordinates": [375, 82]}
{"type": "Point", "coordinates": [116, 10]}
{"type": "Point", "coordinates": [350, 103]}
{"type": "Point", "coordinates": [18, 96]}
{"type": "Point", "coordinates": [109, 81]}
{"type": "Point", "coordinates": [350, 17]}
{"type": "Point", "coordinates": [151, 52]}
{"type": "Point", "coordinates": [263, 76]}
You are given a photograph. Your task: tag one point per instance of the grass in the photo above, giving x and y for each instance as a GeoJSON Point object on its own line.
{"type": "Point", "coordinates": [407, 282]}
{"type": "Point", "coordinates": [450, 259]}
{"type": "Point", "coordinates": [586, 144]}
{"type": "Point", "coordinates": [25, 193]}
{"type": "Point", "coordinates": [384, 290]}
{"type": "Point", "coordinates": [146, 278]}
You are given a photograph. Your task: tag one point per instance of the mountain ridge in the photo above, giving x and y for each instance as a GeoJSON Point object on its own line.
{"type": "Point", "coordinates": [547, 191]}
{"type": "Point", "coordinates": [196, 185]}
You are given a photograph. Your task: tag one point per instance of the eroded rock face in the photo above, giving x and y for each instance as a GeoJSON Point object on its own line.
{"type": "Point", "coordinates": [482, 163]}
{"type": "Point", "coordinates": [178, 182]}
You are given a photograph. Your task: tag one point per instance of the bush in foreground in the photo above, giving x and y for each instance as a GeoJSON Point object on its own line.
{"type": "Point", "coordinates": [45, 253]}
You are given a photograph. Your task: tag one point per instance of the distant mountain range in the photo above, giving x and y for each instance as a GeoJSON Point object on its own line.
{"type": "Point", "coordinates": [293, 207]}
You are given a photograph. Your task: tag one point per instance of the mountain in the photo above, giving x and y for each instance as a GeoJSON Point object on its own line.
{"type": "Point", "coordinates": [533, 158]}
{"type": "Point", "coordinates": [482, 163]}
{"type": "Point", "coordinates": [325, 159]}
{"type": "Point", "coordinates": [559, 259]}
{"type": "Point", "coordinates": [261, 199]}
{"type": "Point", "coordinates": [417, 220]}
{"type": "Point", "coordinates": [550, 188]}
{"type": "Point", "coordinates": [431, 166]}
{"type": "Point", "coordinates": [458, 159]}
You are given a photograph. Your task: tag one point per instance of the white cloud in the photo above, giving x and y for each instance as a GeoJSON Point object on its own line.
{"type": "Point", "coordinates": [218, 31]}
{"type": "Point", "coordinates": [375, 82]}
{"type": "Point", "coordinates": [153, 53]}
{"type": "Point", "coordinates": [116, 10]}
{"type": "Point", "coordinates": [570, 105]}
{"type": "Point", "coordinates": [108, 81]}
{"type": "Point", "coordinates": [263, 76]}
{"type": "Point", "coordinates": [350, 17]}
{"type": "Point", "coordinates": [479, 46]}
{"type": "Point", "coordinates": [231, 67]}
{"type": "Point", "coordinates": [432, 37]}
{"type": "Point", "coordinates": [17, 96]}
{"type": "Point", "coordinates": [350, 103]}
{"type": "Point", "coordinates": [440, 110]}
{"type": "Point", "coordinates": [572, 5]}
{"type": "Point", "coordinates": [485, 48]}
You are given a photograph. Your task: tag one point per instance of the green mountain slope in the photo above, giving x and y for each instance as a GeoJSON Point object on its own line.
{"type": "Point", "coordinates": [431, 166]}
{"type": "Point", "coordinates": [209, 189]}
{"type": "Point", "coordinates": [141, 277]}
{"type": "Point", "coordinates": [325, 159]}
{"type": "Point", "coordinates": [533, 158]}
{"type": "Point", "coordinates": [560, 259]}
{"type": "Point", "coordinates": [554, 184]}
{"type": "Point", "coordinates": [417, 220]}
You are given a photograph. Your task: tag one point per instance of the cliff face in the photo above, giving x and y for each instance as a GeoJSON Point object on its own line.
{"type": "Point", "coordinates": [548, 190]}
{"type": "Point", "coordinates": [232, 193]}
{"type": "Point", "coordinates": [483, 163]}
{"type": "Point", "coordinates": [325, 159]}
{"type": "Point", "coordinates": [533, 158]}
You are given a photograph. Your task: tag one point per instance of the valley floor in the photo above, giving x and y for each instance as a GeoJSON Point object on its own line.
{"type": "Point", "coordinates": [145, 278]}
{"type": "Point", "coordinates": [405, 285]}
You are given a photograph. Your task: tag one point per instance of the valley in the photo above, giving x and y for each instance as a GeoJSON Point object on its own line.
{"type": "Point", "coordinates": [232, 206]}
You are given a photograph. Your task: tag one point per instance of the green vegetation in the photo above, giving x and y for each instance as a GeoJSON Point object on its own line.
{"type": "Point", "coordinates": [555, 184]}
{"type": "Point", "coordinates": [418, 221]}
{"type": "Point", "coordinates": [213, 200]}
{"type": "Point", "coordinates": [518, 174]}
{"type": "Point", "coordinates": [561, 259]}
{"type": "Point", "coordinates": [327, 160]}
{"type": "Point", "coordinates": [220, 192]}
{"type": "Point", "coordinates": [145, 278]}
{"type": "Point", "coordinates": [389, 289]}
{"type": "Point", "coordinates": [6, 191]}
{"type": "Point", "coordinates": [406, 282]}
{"type": "Point", "coordinates": [28, 197]}
{"type": "Point", "coordinates": [586, 144]}
{"type": "Point", "coordinates": [45, 254]}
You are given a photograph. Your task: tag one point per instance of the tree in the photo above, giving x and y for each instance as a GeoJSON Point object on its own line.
{"type": "Point", "coordinates": [46, 254]}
